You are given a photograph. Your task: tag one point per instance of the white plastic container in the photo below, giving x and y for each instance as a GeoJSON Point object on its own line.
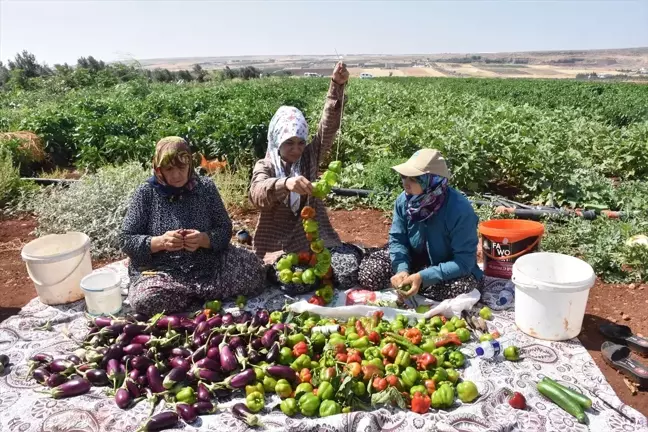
{"type": "Point", "coordinates": [102, 290]}
{"type": "Point", "coordinates": [56, 263]}
{"type": "Point", "coordinates": [551, 292]}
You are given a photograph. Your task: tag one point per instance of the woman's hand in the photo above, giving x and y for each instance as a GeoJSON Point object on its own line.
{"type": "Point", "coordinates": [398, 279]}
{"type": "Point", "coordinates": [340, 74]}
{"type": "Point", "coordinates": [415, 281]}
{"type": "Point", "coordinates": [194, 239]}
{"type": "Point", "coordinates": [169, 241]}
{"type": "Point", "coordinates": [300, 185]}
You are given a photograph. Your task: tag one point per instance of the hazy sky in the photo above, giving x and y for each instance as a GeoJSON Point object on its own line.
{"type": "Point", "coordinates": [61, 31]}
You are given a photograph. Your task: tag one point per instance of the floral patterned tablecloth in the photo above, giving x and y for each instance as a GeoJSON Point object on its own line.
{"type": "Point", "coordinates": [23, 408]}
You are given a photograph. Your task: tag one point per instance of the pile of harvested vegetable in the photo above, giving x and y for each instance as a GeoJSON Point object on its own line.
{"type": "Point", "coordinates": [318, 366]}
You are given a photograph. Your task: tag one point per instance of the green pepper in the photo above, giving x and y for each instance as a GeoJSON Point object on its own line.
{"type": "Point", "coordinates": [346, 410]}
{"type": "Point", "coordinates": [467, 391]}
{"type": "Point", "coordinates": [512, 353]}
{"type": "Point", "coordinates": [319, 190]}
{"type": "Point", "coordinates": [372, 353]}
{"type": "Point", "coordinates": [276, 317]}
{"type": "Point", "coordinates": [284, 264]}
{"type": "Point", "coordinates": [186, 395]}
{"type": "Point", "coordinates": [418, 388]}
{"type": "Point", "coordinates": [392, 369]}
{"type": "Point", "coordinates": [310, 225]}
{"type": "Point", "coordinates": [286, 276]}
{"type": "Point", "coordinates": [255, 401]}
{"type": "Point", "coordinates": [327, 374]}
{"type": "Point", "coordinates": [410, 377]}
{"type": "Point", "coordinates": [359, 388]}
{"type": "Point", "coordinates": [303, 361]}
{"type": "Point", "coordinates": [325, 390]}
{"type": "Point", "coordinates": [214, 305]}
{"type": "Point", "coordinates": [269, 384]}
{"type": "Point", "coordinates": [457, 359]}
{"type": "Point", "coordinates": [286, 356]}
{"type": "Point", "coordinates": [382, 327]}
{"type": "Point", "coordinates": [257, 386]}
{"type": "Point", "coordinates": [289, 407]}
{"type": "Point", "coordinates": [396, 325]}
{"type": "Point", "coordinates": [374, 362]}
{"type": "Point", "coordinates": [428, 346]}
{"type": "Point", "coordinates": [453, 375]}
{"type": "Point", "coordinates": [425, 375]}
{"type": "Point", "coordinates": [327, 360]}
{"type": "Point", "coordinates": [308, 277]}
{"type": "Point", "coordinates": [485, 337]}
{"type": "Point", "coordinates": [283, 388]}
{"type": "Point", "coordinates": [325, 258]}
{"type": "Point", "coordinates": [440, 374]}
{"type": "Point", "coordinates": [441, 351]}
{"type": "Point", "coordinates": [309, 404]}
{"type": "Point", "coordinates": [463, 334]}
{"type": "Point", "coordinates": [336, 167]}
{"type": "Point", "coordinates": [443, 397]}
{"type": "Point", "coordinates": [460, 324]}
{"type": "Point", "coordinates": [304, 388]}
{"type": "Point", "coordinates": [403, 359]}
{"type": "Point", "coordinates": [449, 326]}
{"type": "Point", "coordinates": [486, 313]}
{"type": "Point", "coordinates": [330, 178]}
{"type": "Point", "coordinates": [293, 339]}
{"type": "Point", "coordinates": [318, 340]}
{"type": "Point", "coordinates": [329, 408]}
{"type": "Point", "coordinates": [258, 371]}
{"type": "Point", "coordinates": [361, 344]}
{"type": "Point", "coordinates": [436, 322]}
{"type": "Point", "coordinates": [352, 336]}
{"type": "Point", "coordinates": [326, 292]}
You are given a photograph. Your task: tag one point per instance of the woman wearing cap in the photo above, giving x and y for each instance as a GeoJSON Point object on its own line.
{"type": "Point", "coordinates": [176, 233]}
{"type": "Point", "coordinates": [281, 184]}
{"type": "Point", "coordinates": [433, 238]}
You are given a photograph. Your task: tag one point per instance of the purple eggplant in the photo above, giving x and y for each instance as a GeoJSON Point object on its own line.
{"type": "Point", "coordinates": [187, 325]}
{"type": "Point", "coordinates": [208, 363]}
{"type": "Point", "coordinates": [55, 380]}
{"type": "Point", "coordinates": [74, 359]}
{"type": "Point", "coordinates": [199, 354]}
{"type": "Point", "coordinates": [141, 339]}
{"type": "Point", "coordinates": [62, 366]}
{"type": "Point", "coordinates": [256, 343]}
{"type": "Point", "coordinates": [154, 379]}
{"type": "Point", "coordinates": [203, 393]}
{"type": "Point", "coordinates": [207, 375]}
{"type": "Point", "coordinates": [142, 381]}
{"type": "Point", "coordinates": [255, 323]}
{"type": "Point", "coordinates": [133, 349]}
{"type": "Point", "coordinates": [127, 359]}
{"type": "Point", "coordinates": [134, 374]}
{"type": "Point", "coordinates": [180, 363]}
{"type": "Point", "coordinates": [123, 339]}
{"type": "Point", "coordinates": [215, 340]}
{"type": "Point", "coordinates": [112, 331]}
{"type": "Point", "coordinates": [73, 387]}
{"type": "Point", "coordinates": [86, 367]}
{"type": "Point", "coordinates": [280, 327]}
{"type": "Point", "coordinates": [244, 414]}
{"type": "Point", "coordinates": [201, 328]}
{"type": "Point", "coordinates": [254, 357]}
{"type": "Point", "coordinates": [169, 321]}
{"type": "Point", "coordinates": [243, 317]}
{"type": "Point", "coordinates": [180, 352]}
{"type": "Point", "coordinates": [201, 317]}
{"type": "Point", "coordinates": [241, 356]}
{"type": "Point", "coordinates": [227, 320]}
{"type": "Point", "coordinates": [174, 377]}
{"type": "Point", "coordinates": [187, 412]}
{"type": "Point", "coordinates": [123, 398]}
{"type": "Point", "coordinates": [135, 329]}
{"type": "Point", "coordinates": [238, 381]}
{"type": "Point", "coordinates": [236, 341]}
{"type": "Point", "coordinates": [40, 375]}
{"type": "Point", "coordinates": [97, 377]}
{"type": "Point", "coordinates": [161, 421]}
{"type": "Point", "coordinates": [204, 407]}
{"type": "Point", "coordinates": [284, 372]}
{"type": "Point", "coordinates": [115, 371]}
{"type": "Point", "coordinates": [199, 340]}
{"type": "Point", "coordinates": [269, 338]}
{"type": "Point", "coordinates": [215, 321]}
{"type": "Point", "coordinates": [41, 358]}
{"type": "Point", "coordinates": [263, 316]}
{"type": "Point", "coordinates": [102, 350]}
{"type": "Point", "coordinates": [228, 360]}
{"type": "Point", "coordinates": [115, 351]}
{"type": "Point", "coordinates": [141, 363]}
{"type": "Point", "coordinates": [138, 317]}
{"type": "Point", "coordinates": [133, 388]}
{"type": "Point", "coordinates": [214, 354]}
{"type": "Point", "coordinates": [273, 353]}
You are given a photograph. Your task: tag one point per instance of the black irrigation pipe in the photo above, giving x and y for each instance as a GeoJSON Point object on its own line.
{"type": "Point", "coordinates": [503, 205]}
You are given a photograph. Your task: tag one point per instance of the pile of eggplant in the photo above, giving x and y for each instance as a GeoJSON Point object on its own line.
{"type": "Point", "coordinates": [188, 360]}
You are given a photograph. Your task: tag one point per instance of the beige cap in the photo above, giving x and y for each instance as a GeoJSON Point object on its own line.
{"type": "Point", "coordinates": [425, 161]}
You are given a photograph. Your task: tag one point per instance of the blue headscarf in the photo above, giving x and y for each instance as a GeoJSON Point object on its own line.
{"type": "Point", "coordinates": [435, 190]}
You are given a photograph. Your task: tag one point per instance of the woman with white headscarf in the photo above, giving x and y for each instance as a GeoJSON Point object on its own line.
{"type": "Point", "coordinates": [282, 183]}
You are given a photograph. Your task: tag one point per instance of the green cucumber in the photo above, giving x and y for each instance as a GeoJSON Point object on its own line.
{"type": "Point", "coordinates": [582, 400]}
{"type": "Point", "coordinates": [563, 400]}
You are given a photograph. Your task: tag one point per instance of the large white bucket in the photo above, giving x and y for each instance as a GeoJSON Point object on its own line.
{"type": "Point", "coordinates": [56, 263]}
{"type": "Point", "coordinates": [551, 293]}
{"type": "Point", "coordinates": [102, 290]}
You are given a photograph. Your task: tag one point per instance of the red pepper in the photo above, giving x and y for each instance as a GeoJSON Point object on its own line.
{"type": "Point", "coordinates": [379, 384]}
{"type": "Point", "coordinates": [342, 357]}
{"type": "Point", "coordinates": [392, 380]}
{"type": "Point", "coordinates": [414, 335]}
{"type": "Point", "coordinates": [340, 348]}
{"type": "Point", "coordinates": [342, 330]}
{"type": "Point", "coordinates": [401, 332]}
{"type": "Point", "coordinates": [450, 338]}
{"type": "Point", "coordinates": [317, 300]}
{"type": "Point", "coordinates": [305, 375]}
{"type": "Point", "coordinates": [386, 362]}
{"type": "Point", "coordinates": [376, 318]}
{"type": "Point", "coordinates": [300, 348]}
{"type": "Point", "coordinates": [425, 361]}
{"type": "Point", "coordinates": [353, 355]}
{"type": "Point", "coordinates": [430, 386]}
{"type": "Point", "coordinates": [374, 337]}
{"type": "Point", "coordinates": [354, 369]}
{"type": "Point", "coordinates": [420, 403]}
{"type": "Point", "coordinates": [390, 350]}
{"type": "Point", "coordinates": [360, 329]}
{"type": "Point", "coordinates": [444, 319]}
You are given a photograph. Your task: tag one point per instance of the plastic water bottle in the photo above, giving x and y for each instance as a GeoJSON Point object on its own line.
{"type": "Point", "coordinates": [507, 295]}
{"type": "Point", "coordinates": [488, 349]}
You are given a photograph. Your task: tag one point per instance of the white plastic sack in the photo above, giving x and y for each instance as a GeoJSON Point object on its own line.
{"type": "Point", "coordinates": [448, 308]}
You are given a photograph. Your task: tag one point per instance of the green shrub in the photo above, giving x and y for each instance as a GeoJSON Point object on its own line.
{"type": "Point", "coordinates": [9, 176]}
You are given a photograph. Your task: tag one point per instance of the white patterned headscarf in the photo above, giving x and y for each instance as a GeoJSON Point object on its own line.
{"type": "Point", "coordinates": [287, 122]}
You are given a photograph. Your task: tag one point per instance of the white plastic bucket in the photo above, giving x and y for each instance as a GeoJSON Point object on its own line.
{"type": "Point", "coordinates": [56, 263]}
{"type": "Point", "coordinates": [102, 290]}
{"type": "Point", "coordinates": [551, 293]}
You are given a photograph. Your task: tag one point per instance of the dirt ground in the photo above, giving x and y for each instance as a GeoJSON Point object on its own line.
{"type": "Point", "coordinates": [624, 304]}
